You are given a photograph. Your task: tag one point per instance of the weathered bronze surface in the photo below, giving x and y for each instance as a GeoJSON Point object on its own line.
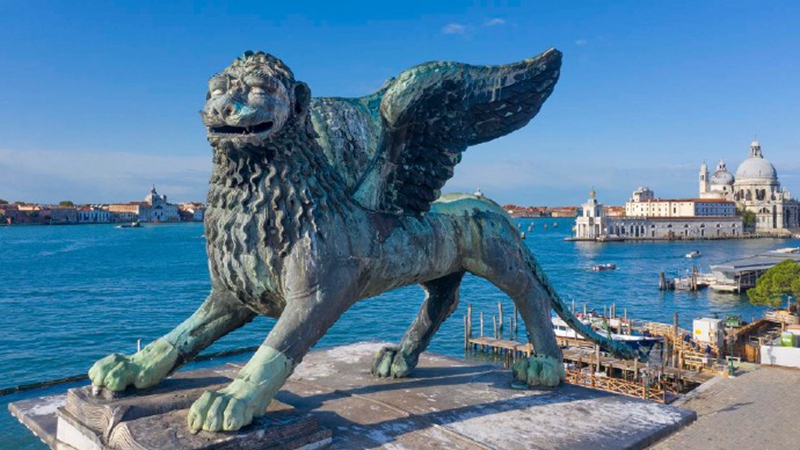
{"type": "Point", "coordinates": [316, 203]}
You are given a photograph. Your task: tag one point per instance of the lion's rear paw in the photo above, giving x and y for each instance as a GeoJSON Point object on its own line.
{"type": "Point", "coordinates": [390, 362]}
{"type": "Point", "coordinates": [143, 369]}
{"type": "Point", "coordinates": [539, 371]}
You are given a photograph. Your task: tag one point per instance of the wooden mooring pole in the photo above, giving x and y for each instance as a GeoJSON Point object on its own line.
{"type": "Point", "coordinates": [500, 315]}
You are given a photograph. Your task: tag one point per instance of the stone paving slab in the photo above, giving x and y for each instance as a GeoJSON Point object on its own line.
{"type": "Point", "coordinates": [451, 403]}
{"type": "Point", "coordinates": [754, 410]}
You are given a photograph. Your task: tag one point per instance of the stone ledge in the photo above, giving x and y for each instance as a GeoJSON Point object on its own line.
{"type": "Point", "coordinates": [447, 403]}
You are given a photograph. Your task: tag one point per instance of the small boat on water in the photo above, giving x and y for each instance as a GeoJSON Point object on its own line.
{"type": "Point", "coordinates": [604, 267]}
{"type": "Point", "coordinates": [694, 254]}
{"type": "Point", "coordinates": [134, 224]}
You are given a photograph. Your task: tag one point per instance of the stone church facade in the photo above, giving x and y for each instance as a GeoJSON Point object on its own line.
{"type": "Point", "coordinates": [755, 188]}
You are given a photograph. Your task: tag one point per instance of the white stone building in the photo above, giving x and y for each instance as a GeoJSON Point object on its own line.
{"type": "Point", "coordinates": [154, 208]}
{"type": "Point", "coordinates": [650, 219]}
{"type": "Point", "coordinates": [93, 214]}
{"type": "Point", "coordinates": [755, 188]}
{"type": "Point", "coordinates": [590, 224]}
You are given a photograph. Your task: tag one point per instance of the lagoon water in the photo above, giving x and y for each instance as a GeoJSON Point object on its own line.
{"type": "Point", "coordinates": [72, 294]}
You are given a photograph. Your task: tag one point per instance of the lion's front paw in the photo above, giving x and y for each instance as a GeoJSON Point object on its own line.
{"type": "Point", "coordinates": [221, 411]}
{"type": "Point", "coordinates": [539, 371]}
{"type": "Point", "coordinates": [390, 362]}
{"type": "Point", "coordinates": [143, 369]}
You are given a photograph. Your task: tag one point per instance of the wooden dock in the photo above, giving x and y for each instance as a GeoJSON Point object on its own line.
{"type": "Point", "coordinates": [677, 368]}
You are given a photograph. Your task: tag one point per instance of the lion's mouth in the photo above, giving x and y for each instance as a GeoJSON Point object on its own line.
{"type": "Point", "coordinates": [255, 129]}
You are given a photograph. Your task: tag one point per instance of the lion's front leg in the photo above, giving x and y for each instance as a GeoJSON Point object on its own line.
{"type": "Point", "coordinates": [219, 314]}
{"type": "Point", "coordinates": [303, 322]}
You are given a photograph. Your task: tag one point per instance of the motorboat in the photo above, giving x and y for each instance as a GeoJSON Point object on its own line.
{"type": "Point", "coordinates": [694, 254]}
{"type": "Point", "coordinates": [604, 267]}
{"type": "Point", "coordinates": [562, 330]}
{"type": "Point", "coordinates": [134, 224]}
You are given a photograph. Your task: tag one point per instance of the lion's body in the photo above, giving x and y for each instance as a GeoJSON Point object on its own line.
{"type": "Point", "coordinates": [242, 220]}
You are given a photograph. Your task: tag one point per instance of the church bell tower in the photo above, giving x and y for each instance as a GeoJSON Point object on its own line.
{"type": "Point", "coordinates": [703, 179]}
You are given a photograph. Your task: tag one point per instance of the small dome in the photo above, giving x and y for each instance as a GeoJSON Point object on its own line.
{"type": "Point", "coordinates": [721, 176]}
{"type": "Point", "coordinates": [756, 168]}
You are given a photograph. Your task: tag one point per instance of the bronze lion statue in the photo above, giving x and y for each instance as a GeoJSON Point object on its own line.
{"type": "Point", "coordinates": [317, 203]}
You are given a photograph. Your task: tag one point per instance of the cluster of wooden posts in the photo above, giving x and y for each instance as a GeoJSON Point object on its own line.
{"type": "Point", "coordinates": [588, 367]}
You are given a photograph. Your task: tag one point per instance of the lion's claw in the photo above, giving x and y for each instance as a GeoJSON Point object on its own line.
{"type": "Point", "coordinates": [220, 411]}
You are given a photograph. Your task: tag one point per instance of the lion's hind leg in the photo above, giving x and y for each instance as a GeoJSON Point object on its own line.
{"type": "Point", "coordinates": [509, 270]}
{"type": "Point", "coordinates": [441, 299]}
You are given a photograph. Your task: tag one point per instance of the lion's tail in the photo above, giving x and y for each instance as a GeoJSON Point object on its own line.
{"type": "Point", "coordinates": [619, 349]}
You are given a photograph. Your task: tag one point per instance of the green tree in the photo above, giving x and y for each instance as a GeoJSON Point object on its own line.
{"type": "Point", "coordinates": [66, 203]}
{"type": "Point", "coordinates": [748, 218]}
{"type": "Point", "coordinates": [776, 283]}
{"type": "Point", "coordinates": [3, 202]}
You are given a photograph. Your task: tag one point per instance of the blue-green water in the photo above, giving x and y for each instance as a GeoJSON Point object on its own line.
{"type": "Point", "coordinates": [72, 294]}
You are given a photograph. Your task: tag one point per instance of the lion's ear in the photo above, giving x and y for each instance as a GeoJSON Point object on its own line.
{"type": "Point", "coordinates": [302, 97]}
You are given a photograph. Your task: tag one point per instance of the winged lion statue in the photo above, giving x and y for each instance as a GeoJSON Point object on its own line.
{"type": "Point", "coordinates": [317, 203]}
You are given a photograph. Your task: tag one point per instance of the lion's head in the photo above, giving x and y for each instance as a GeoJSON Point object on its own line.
{"type": "Point", "coordinates": [252, 101]}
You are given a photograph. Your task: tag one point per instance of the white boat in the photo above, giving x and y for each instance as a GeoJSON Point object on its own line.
{"type": "Point", "coordinates": [134, 224]}
{"type": "Point", "coordinates": [694, 254]}
{"type": "Point", "coordinates": [562, 330]}
{"type": "Point", "coordinates": [604, 267]}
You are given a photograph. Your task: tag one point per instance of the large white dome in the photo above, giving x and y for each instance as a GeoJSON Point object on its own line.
{"type": "Point", "coordinates": [756, 167]}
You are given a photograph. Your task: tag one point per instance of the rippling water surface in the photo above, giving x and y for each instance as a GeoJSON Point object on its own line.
{"type": "Point", "coordinates": [72, 294]}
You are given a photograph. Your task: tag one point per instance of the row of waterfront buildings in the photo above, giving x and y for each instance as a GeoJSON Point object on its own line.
{"type": "Point", "coordinates": [723, 201]}
{"type": "Point", "coordinates": [154, 208]}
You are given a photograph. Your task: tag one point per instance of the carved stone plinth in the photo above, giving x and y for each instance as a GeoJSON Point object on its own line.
{"type": "Point", "coordinates": [156, 419]}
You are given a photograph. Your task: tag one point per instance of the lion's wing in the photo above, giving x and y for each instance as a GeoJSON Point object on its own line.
{"type": "Point", "coordinates": [349, 131]}
{"type": "Point", "coordinates": [432, 112]}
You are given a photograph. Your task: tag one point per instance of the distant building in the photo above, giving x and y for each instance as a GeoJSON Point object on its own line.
{"type": "Point", "coordinates": [526, 211]}
{"type": "Point", "coordinates": [93, 214]}
{"type": "Point", "coordinates": [755, 188]}
{"type": "Point", "coordinates": [192, 211]}
{"type": "Point", "coordinates": [592, 223]}
{"type": "Point", "coordinates": [648, 218]}
{"type": "Point", "coordinates": [62, 215]}
{"type": "Point", "coordinates": [154, 208]}
{"type": "Point", "coordinates": [693, 207]}
{"type": "Point", "coordinates": [564, 211]}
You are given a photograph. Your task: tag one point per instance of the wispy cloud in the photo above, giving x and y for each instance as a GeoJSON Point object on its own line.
{"type": "Point", "coordinates": [581, 42]}
{"type": "Point", "coordinates": [100, 177]}
{"type": "Point", "coordinates": [454, 28]}
{"type": "Point", "coordinates": [494, 22]}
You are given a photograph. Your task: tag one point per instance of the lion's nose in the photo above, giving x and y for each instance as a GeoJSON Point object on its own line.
{"type": "Point", "coordinates": [230, 110]}
{"type": "Point", "coordinates": [223, 108]}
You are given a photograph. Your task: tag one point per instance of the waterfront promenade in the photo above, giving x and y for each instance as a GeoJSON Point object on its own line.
{"type": "Point", "coordinates": [755, 410]}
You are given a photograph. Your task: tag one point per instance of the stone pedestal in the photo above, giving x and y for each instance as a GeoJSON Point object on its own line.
{"type": "Point", "coordinates": [156, 418]}
{"type": "Point", "coordinates": [448, 403]}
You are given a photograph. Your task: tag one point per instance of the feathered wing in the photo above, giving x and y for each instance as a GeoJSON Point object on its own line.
{"type": "Point", "coordinates": [349, 131]}
{"type": "Point", "coordinates": [432, 112]}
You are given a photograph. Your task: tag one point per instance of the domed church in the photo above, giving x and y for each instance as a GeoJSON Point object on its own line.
{"type": "Point", "coordinates": [755, 188]}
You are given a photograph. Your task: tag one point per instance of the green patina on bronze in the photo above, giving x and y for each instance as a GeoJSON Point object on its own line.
{"type": "Point", "coordinates": [317, 203]}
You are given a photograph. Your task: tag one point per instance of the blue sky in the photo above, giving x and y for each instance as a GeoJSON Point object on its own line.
{"type": "Point", "coordinates": [100, 100]}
